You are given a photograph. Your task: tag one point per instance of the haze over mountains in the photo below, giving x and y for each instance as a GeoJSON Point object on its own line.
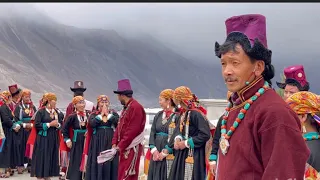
{"type": "Point", "coordinates": [40, 53]}
{"type": "Point", "coordinates": [43, 55]}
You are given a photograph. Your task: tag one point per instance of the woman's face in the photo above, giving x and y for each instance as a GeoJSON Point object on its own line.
{"type": "Point", "coordinates": [52, 104]}
{"type": "Point", "coordinates": [80, 106]}
{"type": "Point", "coordinates": [164, 102]}
{"type": "Point", "coordinates": [103, 103]}
{"type": "Point", "coordinates": [26, 99]}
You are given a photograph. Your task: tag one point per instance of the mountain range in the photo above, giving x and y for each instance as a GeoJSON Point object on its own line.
{"type": "Point", "coordinates": [42, 55]}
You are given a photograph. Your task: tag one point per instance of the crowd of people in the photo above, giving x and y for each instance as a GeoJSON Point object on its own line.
{"type": "Point", "coordinates": [260, 136]}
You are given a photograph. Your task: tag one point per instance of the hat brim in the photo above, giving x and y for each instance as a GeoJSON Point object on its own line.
{"type": "Point", "coordinates": [16, 93]}
{"type": "Point", "coordinates": [123, 92]}
{"type": "Point", "coordinates": [78, 89]}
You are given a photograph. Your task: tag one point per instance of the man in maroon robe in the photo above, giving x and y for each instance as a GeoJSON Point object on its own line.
{"type": "Point", "coordinates": [131, 125]}
{"type": "Point", "coordinates": [295, 81]}
{"type": "Point", "coordinates": [16, 95]}
{"type": "Point", "coordinates": [260, 134]}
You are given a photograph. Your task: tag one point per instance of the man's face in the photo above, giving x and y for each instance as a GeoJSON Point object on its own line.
{"type": "Point", "coordinates": [237, 69]}
{"type": "Point", "coordinates": [121, 99]}
{"type": "Point", "coordinates": [289, 90]}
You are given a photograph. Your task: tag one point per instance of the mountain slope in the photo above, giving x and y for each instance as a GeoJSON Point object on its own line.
{"type": "Point", "coordinates": [44, 56]}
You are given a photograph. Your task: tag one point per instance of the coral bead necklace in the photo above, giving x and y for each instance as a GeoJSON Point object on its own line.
{"type": "Point", "coordinates": [225, 136]}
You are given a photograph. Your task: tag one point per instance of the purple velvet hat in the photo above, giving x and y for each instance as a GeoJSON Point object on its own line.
{"type": "Point", "coordinates": [295, 75]}
{"type": "Point", "coordinates": [250, 32]}
{"type": "Point", "coordinates": [124, 87]}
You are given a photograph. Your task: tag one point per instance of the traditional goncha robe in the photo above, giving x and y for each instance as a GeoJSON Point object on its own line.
{"type": "Point", "coordinates": [45, 158]}
{"type": "Point", "coordinates": [100, 140]}
{"type": "Point", "coordinates": [190, 163]}
{"type": "Point", "coordinates": [160, 136]}
{"type": "Point", "coordinates": [74, 129]}
{"type": "Point", "coordinates": [22, 114]}
{"type": "Point", "coordinates": [268, 137]}
{"type": "Point", "coordinates": [7, 120]}
{"type": "Point", "coordinates": [132, 122]}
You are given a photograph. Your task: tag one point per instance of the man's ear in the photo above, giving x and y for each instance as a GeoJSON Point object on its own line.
{"type": "Point", "coordinates": [259, 68]}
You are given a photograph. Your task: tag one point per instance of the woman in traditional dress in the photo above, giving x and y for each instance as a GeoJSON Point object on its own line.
{"type": "Point", "coordinates": [8, 124]}
{"type": "Point", "coordinates": [307, 107]}
{"type": "Point", "coordinates": [103, 122]}
{"type": "Point", "coordinates": [23, 113]}
{"type": "Point", "coordinates": [73, 131]}
{"type": "Point", "coordinates": [162, 129]}
{"type": "Point", "coordinates": [190, 144]}
{"type": "Point", "coordinates": [45, 158]}
{"type": "Point", "coordinates": [33, 133]}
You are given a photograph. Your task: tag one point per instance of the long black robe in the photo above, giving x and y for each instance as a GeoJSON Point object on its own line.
{"type": "Point", "coordinates": [6, 156]}
{"type": "Point", "coordinates": [215, 142]}
{"type": "Point", "coordinates": [21, 137]}
{"type": "Point", "coordinates": [73, 124]}
{"type": "Point", "coordinates": [159, 135]}
{"type": "Point", "coordinates": [199, 131]}
{"type": "Point", "coordinates": [45, 158]}
{"type": "Point", "coordinates": [102, 140]}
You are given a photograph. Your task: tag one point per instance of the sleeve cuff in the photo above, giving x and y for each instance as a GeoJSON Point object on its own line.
{"type": "Point", "coordinates": [189, 143]}
{"type": "Point", "coordinates": [67, 140]}
{"type": "Point", "coordinates": [212, 157]}
{"type": "Point", "coordinates": [47, 125]}
{"type": "Point", "coordinates": [213, 162]}
{"type": "Point", "coordinates": [59, 126]}
{"type": "Point", "coordinates": [178, 137]}
{"type": "Point", "coordinates": [153, 150]}
{"type": "Point", "coordinates": [169, 149]}
{"type": "Point", "coordinates": [186, 144]}
{"type": "Point", "coordinates": [24, 125]}
{"type": "Point", "coordinates": [98, 117]}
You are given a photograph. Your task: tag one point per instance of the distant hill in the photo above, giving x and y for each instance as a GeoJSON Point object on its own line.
{"type": "Point", "coordinates": [43, 55]}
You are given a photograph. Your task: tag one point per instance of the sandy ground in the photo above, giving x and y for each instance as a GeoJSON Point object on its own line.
{"type": "Point", "coordinates": [26, 176]}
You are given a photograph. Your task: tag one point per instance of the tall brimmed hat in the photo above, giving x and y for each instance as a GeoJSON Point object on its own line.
{"type": "Point", "coordinates": [124, 87]}
{"type": "Point", "coordinates": [250, 32]}
{"type": "Point", "coordinates": [295, 75]}
{"type": "Point", "coordinates": [14, 90]}
{"type": "Point", "coordinates": [78, 86]}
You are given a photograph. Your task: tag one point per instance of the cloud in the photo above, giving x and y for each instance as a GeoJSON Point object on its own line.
{"type": "Point", "coordinates": [192, 28]}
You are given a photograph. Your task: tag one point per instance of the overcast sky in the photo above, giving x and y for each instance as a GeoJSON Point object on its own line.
{"type": "Point", "coordinates": [194, 27]}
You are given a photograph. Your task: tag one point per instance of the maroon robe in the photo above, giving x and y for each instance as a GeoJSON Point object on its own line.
{"type": "Point", "coordinates": [132, 122]}
{"type": "Point", "coordinates": [267, 145]}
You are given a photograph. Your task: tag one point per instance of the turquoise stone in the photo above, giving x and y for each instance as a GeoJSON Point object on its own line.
{"type": "Point", "coordinates": [241, 115]}
{"type": "Point", "coordinates": [253, 98]}
{"type": "Point", "coordinates": [246, 106]}
{"type": "Point", "coordinates": [235, 124]}
{"type": "Point", "coordinates": [261, 90]}
{"type": "Point", "coordinates": [223, 131]}
{"type": "Point", "coordinates": [229, 133]}
{"type": "Point", "coordinates": [223, 122]}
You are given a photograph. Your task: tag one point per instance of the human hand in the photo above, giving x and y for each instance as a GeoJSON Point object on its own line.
{"type": "Point", "coordinates": [155, 155]}
{"type": "Point", "coordinates": [54, 123]}
{"type": "Point", "coordinates": [182, 145]}
{"type": "Point", "coordinates": [213, 167]}
{"type": "Point", "coordinates": [69, 144]}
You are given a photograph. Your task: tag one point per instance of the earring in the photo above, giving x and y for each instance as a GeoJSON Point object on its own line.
{"type": "Point", "coordinates": [247, 83]}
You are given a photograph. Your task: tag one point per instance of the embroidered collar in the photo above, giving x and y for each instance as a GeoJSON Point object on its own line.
{"type": "Point", "coordinates": [247, 92]}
